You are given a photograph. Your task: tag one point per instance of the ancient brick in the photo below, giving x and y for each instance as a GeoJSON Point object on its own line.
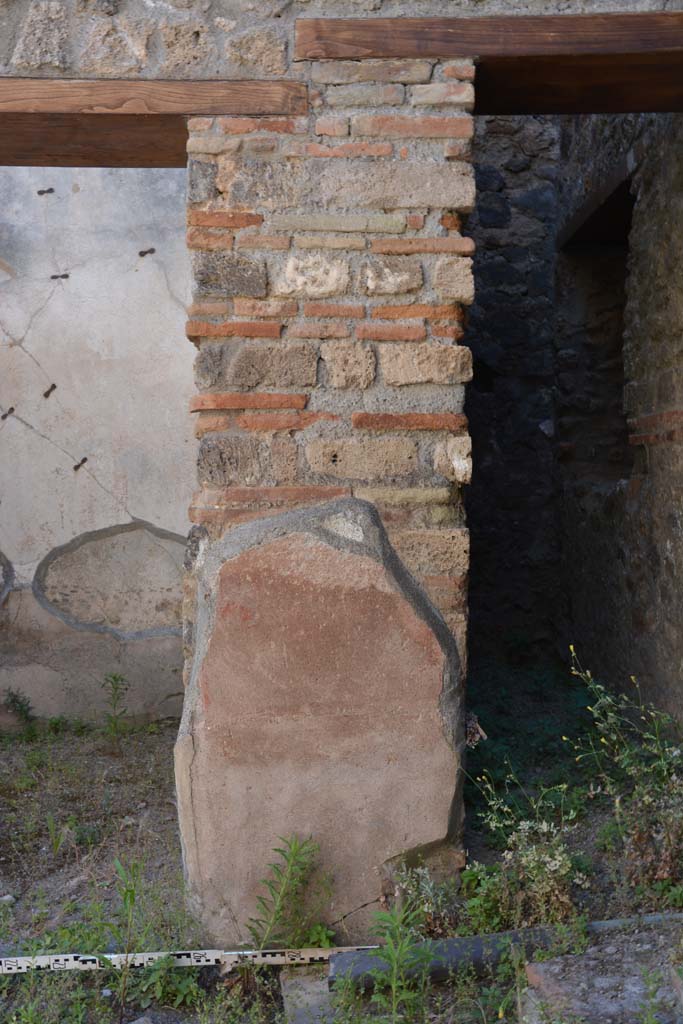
{"type": "Point", "coordinates": [262, 242]}
{"type": "Point", "coordinates": [350, 149]}
{"type": "Point", "coordinates": [425, 364]}
{"type": "Point", "coordinates": [223, 218]}
{"type": "Point", "coordinates": [349, 364]}
{"type": "Point", "coordinates": [453, 279]}
{"type": "Point", "coordinates": [463, 70]}
{"type": "Point", "coordinates": [453, 458]}
{"type": "Point", "coordinates": [318, 329]}
{"type": "Point", "coordinates": [325, 241]}
{"type": "Point", "coordinates": [212, 422]}
{"type": "Point", "coordinates": [364, 95]}
{"type": "Point", "coordinates": [333, 309]}
{"type": "Point", "coordinates": [404, 495]}
{"type": "Point", "coordinates": [418, 310]}
{"type": "Point", "coordinates": [245, 125]}
{"type": "Point", "coordinates": [228, 273]}
{"type": "Point", "coordinates": [272, 421]}
{"type": "Point", "coordinates": [265, 365]}
{"type": "Point", "coordinates": [415, 221]}
{"type": "Point", "coordinates": [386, 421]}
{"type": "Point", "coordinates": [433, 551]}
{"type": "Point", "coordinates": [436, 94]}
{"type": "Point", "coordinates": [232, 329]}
{"type": "Point", "coordinates": [455, 333]}
{"type": "Point", "coordinates": [244, 400]}
{"type": "Point", "coordinates": [405, 246]}
{"type": "Point", "coordinates": [333, 126]}
{"type": "Point", "coordinates": [450, 221]}
{"type": "Point", "coordinates": [210, 307]}
{"type": "Point", "coordinates": [330, 72]}
{"type": "Point", "coordinates": [212, 143]}
{"type": "Point", "coordinates": [199, 124]}
{"type": "Point", "coordinates": [457, 150]}
{"type": "Point", "coordinates": [314, 275]}
{"type": "Point", "coordinates": [391, 332]}
{"type": "Point", "coordinates": [208, 238]}
{"type": "Point", "coordinates": [265, 307]}
{"type": "Point", "coordinates": [359, 458]}
{"type": "Point", "coordinates": [404, 126]}
{"type": "Point", "coordinates": [389, 222]}
{"type": "Point", "coordinates": [391, 276]}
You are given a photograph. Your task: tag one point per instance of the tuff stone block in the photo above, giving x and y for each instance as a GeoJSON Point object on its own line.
{"type": "Point", "coordinates": [434, 551]}
{"type": "Point", "coordinates": [393, 185]}
{"type": "Point", "coordinates": [265, 365]}
{"type": "Point", "coordinates": [228, 273]}
{"type": "Point", "coordinates": [224, 459]}
{"type": "Point", "coordinates": [329, 72]}
{"type": "Point", "coordinates": [453, 459]}
{"type": "Point", "coordinates": [349, 364]}
{"type": "Point", "coordinates": [425, 364]}
{"type": "Point", "coordinates": [314, 275]}
{"type": "Point", "coordinates": [359, 458]}
{"type": "Point", "coordinates": [391, 276]}
{"type": "Point", "coordinates": [453, 279]}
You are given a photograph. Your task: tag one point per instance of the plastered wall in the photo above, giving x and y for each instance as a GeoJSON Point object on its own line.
{"type": "Point", "coordinates": [96, 453]}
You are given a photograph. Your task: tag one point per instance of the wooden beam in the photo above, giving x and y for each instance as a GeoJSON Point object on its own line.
{"type": "Point", "coordinates": [90, 140]}
{"type": "Point", "coordinates": [501, 36]}
{"type": "Point", "coordinates": [114, 123]}
{"type": "Point", "coordinates": [124, 97]}
{"type": "Point", "coordinates": [584, 84]}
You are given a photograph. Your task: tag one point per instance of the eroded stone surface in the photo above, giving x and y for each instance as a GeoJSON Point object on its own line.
{"type": "Point", "coordinates": [324, 700]}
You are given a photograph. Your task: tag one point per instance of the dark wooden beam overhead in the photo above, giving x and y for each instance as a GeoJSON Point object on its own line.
{"type": "Point", "coordinates": [90, 140]}
{"type": "Point", "coordinates": [555, 64]}
{"type": "Point", "coordinates": [114, 123]}
{"type": "Point", "coordinates": [501, 36]}
{"type": "Point", "coordinates": [121, 97]}
{"type": "Point", "coordinates": [584, 84]}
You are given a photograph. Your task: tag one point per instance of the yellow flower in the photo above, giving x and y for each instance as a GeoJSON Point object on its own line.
{"type": "Point", "coordinates": [603, 740]}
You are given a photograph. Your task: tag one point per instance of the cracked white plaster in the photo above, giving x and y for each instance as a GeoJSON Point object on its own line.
{"type": "Point", "coordinates": [110, 336]}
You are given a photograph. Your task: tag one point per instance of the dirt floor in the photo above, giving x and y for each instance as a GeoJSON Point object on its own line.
{"type": "Point", "coordinates": [70, 805]}
{"type": "Point", "coordinates": [83, 813]}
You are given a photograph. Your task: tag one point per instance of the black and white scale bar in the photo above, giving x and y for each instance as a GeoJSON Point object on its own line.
{"type": "Point", "coordinates": [181, 958]}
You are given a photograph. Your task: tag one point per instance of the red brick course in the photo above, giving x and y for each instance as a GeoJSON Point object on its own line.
{"type": "Point", "coordinates": [246, 400]}
{"type": "Point", "coordinates": [223, 218]}
{"type": "Point", "coordinates": [384, 421]}
{"type": "Point", "coordinates": [390, 332]}
{"type": "Point", "coordinates": [416, 310]}
{"type": "Point", "coordinates": [333, 309]}
{"type": "Point", "coordinates": [405, 246]}
{"type": "Point", "coordinates": [400, 126]}
{"type": "Point", "coordinates": [233, 329]}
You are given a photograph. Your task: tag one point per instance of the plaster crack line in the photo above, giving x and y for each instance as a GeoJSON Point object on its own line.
{"type": "Point", "coordinates": [74, 460]}
{"type": "Point", "coordinates": [173, 297]}
{"type": "Point", "coordinates": [20, 342]}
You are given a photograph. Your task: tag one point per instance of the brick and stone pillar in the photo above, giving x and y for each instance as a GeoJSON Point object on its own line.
{"type": "Point", "coordinates": [330, 278]}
